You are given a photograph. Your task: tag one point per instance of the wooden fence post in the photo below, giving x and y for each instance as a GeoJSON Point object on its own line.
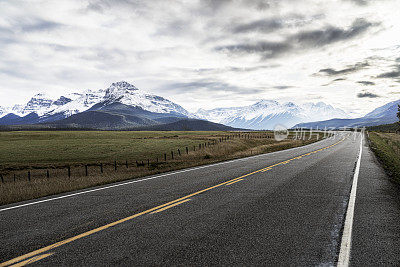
{"type": "Point", "coordinates": [69, 172]}
{"type": "Point", "coordinates": [86, 170]}
{"type": "Point", "coordinates": [14, 177]}
{"type": "Point", "coordinates": [115, 165]}
{"type": "Point", "coordinates": [126, 163]}
{"type": "Point", "coordinates": [29, 176]}
{"type": "Point", "coordinates": [165, 156]}
{"type": "Point", "coordinates": [172, 154]}
{"type": "Point", "coordinates": [47, 174]}
{"type": "Point", "coordinates": [187, 150]}
{"type": "Point", "coordinates": [101, 167]}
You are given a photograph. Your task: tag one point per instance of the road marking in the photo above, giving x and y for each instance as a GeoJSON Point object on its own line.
{"type": "Point", "coordinates": [170, 206]}
{"type": "Point", "coordinates": [345, 247]}
{"type": "Point", "coordinates": [267, 169]}
{"type": "Point", "coordinates": [235, 181]}
{"type": "Point", "coordinates": [32, 260]}
{"type": "Point", "coordinates": [93, 231]}
{"type": "Point", "coordinates": [153, 177]}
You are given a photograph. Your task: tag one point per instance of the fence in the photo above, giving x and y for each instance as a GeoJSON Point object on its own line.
{"type": "Point", "coordinates": [86, 169]}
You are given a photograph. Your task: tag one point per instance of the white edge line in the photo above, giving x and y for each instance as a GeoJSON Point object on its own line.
{"type": "Point", "coordinates": [151, 178]}
{"type": "Point", "coordinates": [345, 247]}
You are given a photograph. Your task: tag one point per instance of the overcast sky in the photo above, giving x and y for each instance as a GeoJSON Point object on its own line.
{"type": "Point", "coordinates": [205, 54]}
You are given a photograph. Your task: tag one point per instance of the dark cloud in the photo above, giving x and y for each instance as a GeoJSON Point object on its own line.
{"type": "Point", "coordinates": [366, 83]}
{"type": "Point", "coordinates": [367, 95]}
{"type": "Point", "coordinates": [257, 4]}
{"type": "Point", "coordinates": [231, 69]}
{"type": "Point", "coordinates": [271, 24]}
{"type": "Point", "coordinates": [391, 74]}
{"type": "Point", "coordinates": [347, 70]}
{"type": "Point", "coordinates": [95, 7]}
{"type": "Point", "coordinates": [255, 68]}
{"type": "Point", "coordinates": [360, 2]}
{"type": "Point", "coordinates": [266, 49]}
{"type": "Point", "coordinates": [266, 25]}
{"type": "Point", "coordinates": [282, 87]}
{"type": "Point", "coordinates": [212, 86]}
{"type": "Point", "coordinates": [335, 80]}
{"type": "Point", "coordinates": [31, 25]}
{"type": "Point", "coordinates": [201, 84]}
{"type": "Point", "coordinates": [331, 34]}
{"type": "Point", "coordinates": [300, 41]}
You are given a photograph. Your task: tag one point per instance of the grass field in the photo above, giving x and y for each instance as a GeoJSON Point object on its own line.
{"type": "Point", "coordinates": [389, 128]}
{"type": "Point", "coordinates": [50, 152]}
{"type": "Point", "coordinates": [21, 150]}
{"type": "Point", "coordinates": [386, 147]}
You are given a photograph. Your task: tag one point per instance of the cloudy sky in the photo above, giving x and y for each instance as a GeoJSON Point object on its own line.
{"type": "Point", "coordinates": [204, 53]}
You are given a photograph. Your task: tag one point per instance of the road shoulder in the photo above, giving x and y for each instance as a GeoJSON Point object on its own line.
{"type": "Point", "coordinates": [376, 229]}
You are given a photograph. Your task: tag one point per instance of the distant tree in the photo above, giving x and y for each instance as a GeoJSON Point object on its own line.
{"type": "Point", "coordinates": [398, 116]}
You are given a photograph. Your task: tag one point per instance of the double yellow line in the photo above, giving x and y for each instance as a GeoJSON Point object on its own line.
{"type": "Point", "coordinates": [37, 254]}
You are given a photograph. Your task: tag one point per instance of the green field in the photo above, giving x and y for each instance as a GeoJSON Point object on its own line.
{"type": "Point", "coordinates": [40, 163]}
{"type": "Point", "coordinates": [24, 149]}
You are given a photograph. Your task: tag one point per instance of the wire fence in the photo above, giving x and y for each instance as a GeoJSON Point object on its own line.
{"type": "Point", "coordinates": [86, 169]}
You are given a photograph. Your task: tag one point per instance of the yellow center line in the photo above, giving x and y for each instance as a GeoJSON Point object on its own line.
{"type": "Point", "coordinates": [266, 169]}
{"type": "Point", "coordinates": [93, 231]}
{"type": "Point", "coordinates": [170, 206]}
{"type": "Point", "coordinates": [32, 260]}
{"type": "Point", "coordinates": [235, 181]}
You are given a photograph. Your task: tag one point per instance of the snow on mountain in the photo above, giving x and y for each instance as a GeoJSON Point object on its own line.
{"type": "Point", "coordinates": [128, 94]}
{"type": "Point", "coordinates": [70, 104]}
{"type": "Point", "coordinates": [39, 104]}
{"type": "Point", "coordinates": [265, 114]}
{"type": "Point", "coordinates": [79, 102]}
{"type": "Point", "coordinates": [385, 114]}
{"type": "Point", "coordinates": [389, 109]}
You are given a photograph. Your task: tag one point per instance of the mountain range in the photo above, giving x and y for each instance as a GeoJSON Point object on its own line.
{"type": "Point", "coordinates": [123, 106]}
{"type": "Point", "coordinates": [385, 114]}
{"type": "Point", "coordinates": [265, 114]}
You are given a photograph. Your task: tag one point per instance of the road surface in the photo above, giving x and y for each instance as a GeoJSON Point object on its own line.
{"type": "Point", "coordinates": [282, 208]}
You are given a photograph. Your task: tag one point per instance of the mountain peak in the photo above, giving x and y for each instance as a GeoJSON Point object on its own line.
{"type": "Point", "coordinates": [266, 102]}
{"type": "Point", "coordinates": [41, 96]}
{"type": "Point", "coordinates": [122, 85]}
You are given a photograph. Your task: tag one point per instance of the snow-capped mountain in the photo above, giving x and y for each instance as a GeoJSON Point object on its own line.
{"type": "Point", "coordinates": [76, 103]}
{"type": "Point", "coordinates": [387, 110]}
{"type": "Point", "coordinates": [46, 109]}
{"type": "Point", "coordinates": [124, 105]}
{"type": "Point", "coordinates": [265, 114]}
{"type": "Point", "coordinates": [385, 114]}
{"type": "Point", "coordinates": [128, 94]}
{"type": "Point", "coordinates": [38, 104]}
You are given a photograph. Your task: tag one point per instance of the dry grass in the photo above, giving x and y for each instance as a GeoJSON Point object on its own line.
{"type": "Point", "coordinates": [386, 147]}
{"type": "Point", "coordinates": [59, 182]}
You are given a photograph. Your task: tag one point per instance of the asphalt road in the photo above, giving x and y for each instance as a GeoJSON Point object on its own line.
{"type": "Point", "coordinates": [282, 208]}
